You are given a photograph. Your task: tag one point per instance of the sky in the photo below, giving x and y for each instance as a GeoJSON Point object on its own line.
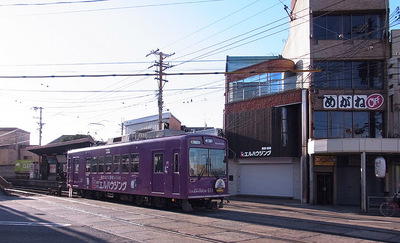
{"type": "Point", "coordinates": [53, 38]}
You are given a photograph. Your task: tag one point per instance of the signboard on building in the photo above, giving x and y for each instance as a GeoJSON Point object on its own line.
{"type": "Point", "coordinates": [371, 102]}
{"type": "Point", "coordinates": [23, 166]}
{"type": "Point", "coordinates": [324, 160]}
{"type": "Point", "coordinates": [263, 152]}
{"type": "Point", "coordinates": [380, 167]}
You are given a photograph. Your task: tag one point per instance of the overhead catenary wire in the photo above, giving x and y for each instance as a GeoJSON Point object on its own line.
{"type": "Point", "coordinates": [119, 8]}
{"type": "Point", "coordinates": [228, 126]}
{"type": "Point", "coordinates": [205, 27]}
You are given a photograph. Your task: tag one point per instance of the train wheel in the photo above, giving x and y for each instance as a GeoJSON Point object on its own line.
{"type": "Point", "coordinates": [98, 195]}
{"type": "Point", "coordinates": [156, 202]}
{"type": "Point", "coordinates": [88, 194]}
{"type": "Point", "coordinates": [186, 206]}
{"type": "Point", "coordinates": [138, 200]}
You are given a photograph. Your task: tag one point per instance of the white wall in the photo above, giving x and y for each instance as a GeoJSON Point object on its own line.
{"type": "Point", "coordinates": [297, 47]}
{"type": "Point", "coordinates": [278, 177]}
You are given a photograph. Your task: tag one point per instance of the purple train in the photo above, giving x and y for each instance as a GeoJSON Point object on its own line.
{"type": "Point", "coordinates": [185, 170]}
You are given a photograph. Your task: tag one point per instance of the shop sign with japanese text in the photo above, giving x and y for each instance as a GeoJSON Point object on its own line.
{"type": "Point", "coordinates": [263, 152]}
{"type": "Point", "coordinates": [324, 160]}
{"type": "Point", "coordinates": [371, 102]}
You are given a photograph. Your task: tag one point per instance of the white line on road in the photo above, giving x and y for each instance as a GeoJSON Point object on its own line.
{"type": "Point", "coordinates": [44, 224]}
{"type": "Point", "coordinates": [370, 221]}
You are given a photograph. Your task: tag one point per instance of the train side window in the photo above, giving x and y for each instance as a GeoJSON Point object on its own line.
{"type": "Point", "coordinates": [176, 163]}
{"type": "Point", "coordinates": [76, 164]}
{"type": "Point", "coordinates": [88, 162]}
{"type": "Point", "coordinates": [94, 164]}
{"type": "Point", "coordinates": [101, 164]}
{"type": "Point", "coordinates": [158, 163]}
{"type": "Point", "coordinates": [125, 163]}
{"type": "Point", "coordinates": [135, 162]}
{"type": "Point", "coordinates": [116, 163]}
{"type": "Point", "coordinates": [108, 163]}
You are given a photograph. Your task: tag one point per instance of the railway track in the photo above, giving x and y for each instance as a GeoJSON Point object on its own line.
{"type": "Point", "coordinates": [36, 191]}
{"type": "Point", "coordinates": [103, 210]}
{"type": "Point", "coordinates": [247, 220]}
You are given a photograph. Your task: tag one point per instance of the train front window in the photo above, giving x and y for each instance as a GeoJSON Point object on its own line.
{"type": "Point", "coordinates": [207, 162]}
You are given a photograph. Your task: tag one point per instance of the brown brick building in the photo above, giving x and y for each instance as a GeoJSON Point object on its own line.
{"type": "Point", "coordinates": [13, 147]}
{"type": "Point", "coordinates": [308, 136]}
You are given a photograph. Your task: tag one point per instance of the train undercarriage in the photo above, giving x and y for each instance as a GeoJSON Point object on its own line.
{"type": "Point", "coordinates": [156, 202]}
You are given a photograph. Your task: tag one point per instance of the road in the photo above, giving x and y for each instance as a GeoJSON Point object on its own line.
{"type": "Point", "coordinates": [60, 219]}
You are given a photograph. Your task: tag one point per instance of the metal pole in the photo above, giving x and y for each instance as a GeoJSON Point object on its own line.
{"type": "Point", "coordinates": [363, 182]}
{"type": "Point", "coordinates": [311, 174]}
{"type": "Point", "coordinates": [303, 161]}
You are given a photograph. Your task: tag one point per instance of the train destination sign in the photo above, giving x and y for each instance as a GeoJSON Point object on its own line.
{"type": "Point", "coordinates": [370, 102]}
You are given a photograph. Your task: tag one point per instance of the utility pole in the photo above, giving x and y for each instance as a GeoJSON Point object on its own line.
{"type": "Point", "coordinates": [161, 67]}
{"type": "Point", "coordinates": [40, 123]}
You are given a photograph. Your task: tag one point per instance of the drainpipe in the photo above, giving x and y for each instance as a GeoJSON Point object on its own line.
{"type": "Point", "coordinates": [303, 162]}
{"type": "Point", "coordinates": [363, 182]}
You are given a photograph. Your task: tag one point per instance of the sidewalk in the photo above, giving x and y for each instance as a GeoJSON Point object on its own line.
{"type": "Point", "coordinates": [297, 203]}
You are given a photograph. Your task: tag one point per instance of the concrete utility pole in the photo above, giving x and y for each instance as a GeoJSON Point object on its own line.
{"type": "Point", "coordinates": [40, 123]}
{"type": "Point", "coordinates": [161, 67]}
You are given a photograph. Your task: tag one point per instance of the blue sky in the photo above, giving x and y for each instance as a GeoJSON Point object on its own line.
{"type": "Point", "coordinates": [50, 37]}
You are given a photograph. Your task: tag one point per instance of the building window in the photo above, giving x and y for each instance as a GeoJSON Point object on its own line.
{"type": "Point", "coordinates": [349, 75]}
{"type": "Point", "coordinates": [284, 129]}
{"type": "Point", "coordinates": [348, 26]}
{"type": "Point", "coordinates": [339, 124]}
{"type": "Point", "coordinates": [260, 85]}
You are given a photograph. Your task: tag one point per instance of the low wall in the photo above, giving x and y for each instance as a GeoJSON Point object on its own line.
{"type": "Point", "coordinates": [42, 184]}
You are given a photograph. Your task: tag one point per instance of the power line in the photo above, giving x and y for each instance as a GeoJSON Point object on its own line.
{"type": "Point", "coordinates": [50, 3]}
{"type": "Point", "coordinates": [125, 7]}
{"type": "Point", "coordinates": [135, 74]}
{"type": "Point", "coordinates": [205, 27]}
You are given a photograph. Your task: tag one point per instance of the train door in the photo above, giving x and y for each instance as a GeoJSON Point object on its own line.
{"type": "Point", "coordinates": [74, 171]}
{"type": "Point", "coordinates": [176, 176]}
{"type": "Point", "coordinates": [158, 172]}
